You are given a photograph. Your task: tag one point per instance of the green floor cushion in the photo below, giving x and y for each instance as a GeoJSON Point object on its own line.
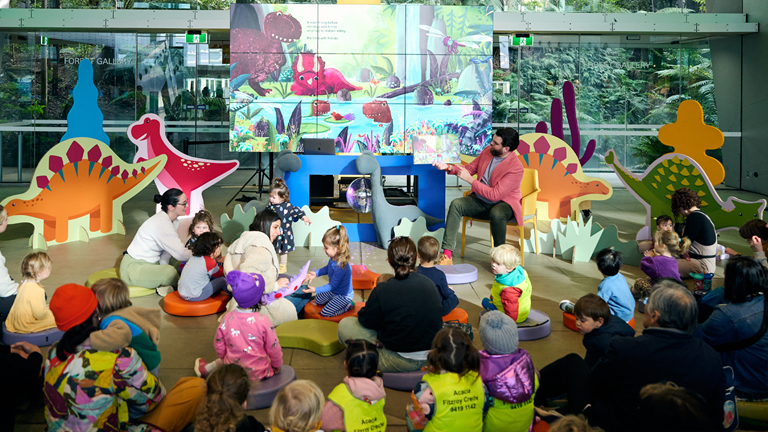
{"type": "Point", "coordinates": [752, 413]}
{"type": "Point", "coordinates": [317, 336]}
{"type": "Point", "coordinates": [112, 273]}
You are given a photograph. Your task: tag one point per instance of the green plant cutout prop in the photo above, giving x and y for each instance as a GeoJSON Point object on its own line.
{"type": "Point", "coordinates": [691, 137]}
{"type": "Point", "coordinates": [577, 243]}
{"type": "Point", "coordinates": [654, 189]}
{"type": "Point", "coordinates": [312, 235]}
{"type": "Point", "coordinates": [546, 239]}
{"type": "Point", "coordinates": [417, 230]}
{"type": "Point", "coordinates": [234, 227]}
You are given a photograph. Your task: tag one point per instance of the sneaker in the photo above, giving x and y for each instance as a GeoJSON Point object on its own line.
{"type": "Point", "coordinates": [444, 260]}
{"type": "Point", "coordinates": [164, 290]}
{"type": "Point", "coordinates": [567, 306]}
{"type": "Point", "coordinates": [200, 365]}
{"type": "Point", "coordinates": [283, 269]}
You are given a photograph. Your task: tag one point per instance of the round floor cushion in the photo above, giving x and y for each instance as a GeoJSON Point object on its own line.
{"type": "Point", "coordinates": [173, 304]}
{"type": "Point", "coordinates": [312, 311]}
{"type": "Point", "coordinates": [457, 314]}
{"type": "Point", "coordinates": [264, 392]}
{"type": "Point", "coordinates": [41, 338]}
{"type": "Point", "coordinates": [404, 381]}
{"type": "Point", "coordinates": [536, 326]}
{"type": "Point", "coordinates": [362, 278]}
{"type": "Point", "coordinates": [135, 291]}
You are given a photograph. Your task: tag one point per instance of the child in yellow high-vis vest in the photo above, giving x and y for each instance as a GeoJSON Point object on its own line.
{"type": "Point", "coordinates": [451, 396]}
{"type": "Point", "coordinates": [358, 403]}
{"type": "Point", "coordinates": [511, 291]}
{"type": "Point", "coordinates": [297, 408]}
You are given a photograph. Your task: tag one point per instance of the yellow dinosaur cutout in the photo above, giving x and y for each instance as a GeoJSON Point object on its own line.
{"type": "Point", "coordinates": [691, 137]}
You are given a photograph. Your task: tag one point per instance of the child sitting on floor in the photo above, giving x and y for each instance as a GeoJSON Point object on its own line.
{"type": "Point", "coordinates": [511, 291]}
{"type": "Point", "coordinates": [668, 246]}
{"type": "Point", "coordinates": [337, 294]}
{"type": "Point", "coordinates": [297, 408]}
{"type": "Point", "coordinates": [508, 373]}
{"type": "Point", "coordinates": [428, 250]}
{"type": "Point", "coordinates": [124, 325]}
{"type": "Point", "coordinates": [360, 399]}
{"type": "Point", "coordinates": [29, 313]}
{"type": "Point", "coordinates": [453, 367]}
{"type": "Point", "coordinates": [224, 407]}
{"type": "Point", "coordinates": [245, 336]}
{"type": "Point", "coordinates": [614, 288]}
{"type": "Point", "coordinates": [202, 277]}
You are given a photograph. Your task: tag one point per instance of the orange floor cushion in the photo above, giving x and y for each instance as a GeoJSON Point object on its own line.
{"type": "Point", "coordinates": [362, 278]}
{"type": "Point", "coordinates": [312, 311]}
{"type": "Point", "coordinates": [173, 304]}
{"type": "Point", "coordinates": [632, 323]}
{"type": "Point", "coordinates": [457, 314]}
{"type": "Point", "coordinates": [569, 320]}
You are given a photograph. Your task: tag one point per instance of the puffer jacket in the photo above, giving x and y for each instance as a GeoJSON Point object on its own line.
{"type": "Point", "coordinates": [254, 253]}
{"type": "Point", "coordinates": [511, 381]}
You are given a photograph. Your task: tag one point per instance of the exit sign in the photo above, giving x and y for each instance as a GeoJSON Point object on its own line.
{"type": "Point", "coordinates": [199, 38]}
{"type": "Point", "coordinates": [522, 41]}
{"type": "Point", "coordinates": [44, 40]}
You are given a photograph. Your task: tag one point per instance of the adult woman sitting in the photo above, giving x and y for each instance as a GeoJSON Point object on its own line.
{"type": "Point", "coordinates": [699, 229]}
{"type": "Point", "coordinates": [404, 313]}
{"type": "Point", "coordinates": [737, 328]}
{"type": "Point", "coordinates": [254, 252]}
{"type": "Point", "coordinates": [87, 389]}
{"type": "Point", "coordinates": [145, 264]}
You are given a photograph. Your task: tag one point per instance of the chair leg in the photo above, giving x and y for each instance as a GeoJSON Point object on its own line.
{"type": "Point", "coordinates": [536, 231]}
{"type": "Point", "coordinates": [521, 230]}
{"type": "Point", "coordinates": [463, 234]}
{"type": "Point", "coordinates": [489, 227]}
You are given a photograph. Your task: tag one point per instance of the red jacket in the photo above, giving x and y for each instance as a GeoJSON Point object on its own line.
{"type": "Point", "coordinates": [505, 180]}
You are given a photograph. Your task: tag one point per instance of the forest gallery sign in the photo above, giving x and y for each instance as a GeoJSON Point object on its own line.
{"type": "Point", "coordinates": [627, 65]}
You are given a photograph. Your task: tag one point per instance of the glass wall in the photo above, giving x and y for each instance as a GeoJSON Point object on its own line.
{"type": "Point", "coordinates": [625, 89]}
{"type": "Point", "coordinates": [596, 6]}
{"type": "Point", "coordinates": [135, 73]}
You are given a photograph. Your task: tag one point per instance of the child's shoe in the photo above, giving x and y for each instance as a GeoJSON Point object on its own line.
{"type": "Point", "coordinates": [444, 260]}
{"type": "Point", "coordinates": [283, 269]}
{"type": "Point", "coordinates": [200, 368]}
{"type": "Point", "coordinates": [164, 290]}
{"type": "Point", "coordinates": [567, 306]}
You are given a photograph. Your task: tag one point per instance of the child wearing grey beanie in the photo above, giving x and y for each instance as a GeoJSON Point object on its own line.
{"type": "Point", "coordinates": [508, 373]}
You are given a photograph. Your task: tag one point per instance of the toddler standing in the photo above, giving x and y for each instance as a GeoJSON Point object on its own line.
{"type": "Point", "coordinates": [662, 262]}
{"type": "Point", "coordinates": [124, 325]}
{"type": "Point", "coordinates": [451, 396]}
{"type": "Point", "coordinates": [428, 249]}
{"type": "Point", "coordinates": [8, 287]}
{"type": "Point", "coordinates": [224, 406]}
{"type": "Point", "coordinates": [202, 277]}
{"type": "Point", "coordinates": [245, 336]}
{"type": "Point", "coordinates": [337, 294]}
{"type": "Point", "coordinates": [511, 291]}
{"type": "Point", "coordinates": [297, 408]}
{"type": "Point", "coordinates": [29, 313]}
{"type": "Point", "coordinates": [614, 288]}
{"type": "Point", "coordinates": [508, 373]}
{"type": "Point", "coordinates": [360, 399]}
{"type": "Point", "coordinates": [279, 201]}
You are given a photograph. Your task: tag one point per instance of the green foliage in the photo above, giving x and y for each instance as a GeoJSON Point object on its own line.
{"type": "Point", "coordinates": [649, 149]}
{"type": "Point", "coordinates": [283, 89]}
{"type": "Point", "coordinates": [370, 90]}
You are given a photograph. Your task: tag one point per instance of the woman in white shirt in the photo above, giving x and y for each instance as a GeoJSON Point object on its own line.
{"type": "Point", "coordinates": [8, 288]}
{"type": "Point", "coordinates": [145, 264]}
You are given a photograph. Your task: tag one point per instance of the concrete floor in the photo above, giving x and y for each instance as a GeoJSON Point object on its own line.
{"type": "Point", "coordinates": [184, 339]}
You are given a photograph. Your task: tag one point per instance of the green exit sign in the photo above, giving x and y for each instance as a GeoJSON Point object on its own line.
{"type": "Point", "coordinates": [199, 38]}
{"type": "Point", "coordinates": [522, 41]}
{"type": "Point", "coordinates": [44, 40]}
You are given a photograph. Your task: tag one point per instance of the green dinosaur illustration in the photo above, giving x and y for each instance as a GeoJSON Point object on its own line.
{"type": "Point", "coordinates": [654, 188]}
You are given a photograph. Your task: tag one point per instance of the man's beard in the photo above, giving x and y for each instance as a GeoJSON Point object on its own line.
{"type": "Point", "coordinates": [495, 153]}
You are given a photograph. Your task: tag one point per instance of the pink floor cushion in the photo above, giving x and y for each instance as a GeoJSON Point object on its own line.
{"type": "Point", "coordinates": [264, 392]}
{"type": "Point", "coordinates": [405, 381]}
{"type": "Point", "coordinates": [536, 326]}
{"type": "Point", "coordinates": [41, 338]}
{"type": "Point", "coordinates": [458, 274]}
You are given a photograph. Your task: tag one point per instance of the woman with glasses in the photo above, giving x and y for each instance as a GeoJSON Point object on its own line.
{"type": "Point", "coordinates": [145, 263]}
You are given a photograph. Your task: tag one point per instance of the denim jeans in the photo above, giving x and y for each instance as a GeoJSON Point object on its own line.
{"type": "Point", "coordinates": [389, 361]}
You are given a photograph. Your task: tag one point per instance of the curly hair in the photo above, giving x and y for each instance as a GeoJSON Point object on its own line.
{"type": "Point", "coordinates": [675, 245]}
{"type": "Point", "coordinates": [206, 244]}
{"type": "Point", "coordinates": [279, 187]}
{"type": "Point", "coordinates": [228, 388]}
{"type": "Point", "coordinates": [203, 216]}
{"type": "Point", "coordinates": [684, 199]}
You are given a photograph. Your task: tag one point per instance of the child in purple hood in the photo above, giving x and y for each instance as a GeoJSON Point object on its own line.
{"type": "Point", "coordinates": [508, 373]}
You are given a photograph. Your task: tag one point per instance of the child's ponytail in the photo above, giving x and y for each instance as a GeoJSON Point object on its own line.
{"type": "Point", "coordinates": [676, 246]}
{"type": "Point", "coordinates": [452, 351]}
{"type": "Point", "coordinates": [337, 237]}
{"type": "Point", "coordinates": [228, 388]}
{"type": "Point", "coordinates": [278, 186]}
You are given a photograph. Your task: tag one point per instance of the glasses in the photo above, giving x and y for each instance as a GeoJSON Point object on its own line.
{"type": "Point", "coordinates": [184, 204]}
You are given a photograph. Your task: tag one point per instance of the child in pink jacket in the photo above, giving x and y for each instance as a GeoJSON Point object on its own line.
{"type": "Point", "coordinates": [245, 336]}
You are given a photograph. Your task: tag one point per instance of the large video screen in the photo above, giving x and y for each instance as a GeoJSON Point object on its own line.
{"type": "Point", "coordinates": [368, 76]}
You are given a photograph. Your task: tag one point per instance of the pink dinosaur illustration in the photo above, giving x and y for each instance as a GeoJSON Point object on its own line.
{"type": "Point", "coordinates": [190, 174]}
{"type": "Point", "coordinates": [311, 82]}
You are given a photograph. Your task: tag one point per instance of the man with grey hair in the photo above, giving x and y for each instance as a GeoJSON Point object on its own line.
{"type": "Point", "coordinates": [666, 351]}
